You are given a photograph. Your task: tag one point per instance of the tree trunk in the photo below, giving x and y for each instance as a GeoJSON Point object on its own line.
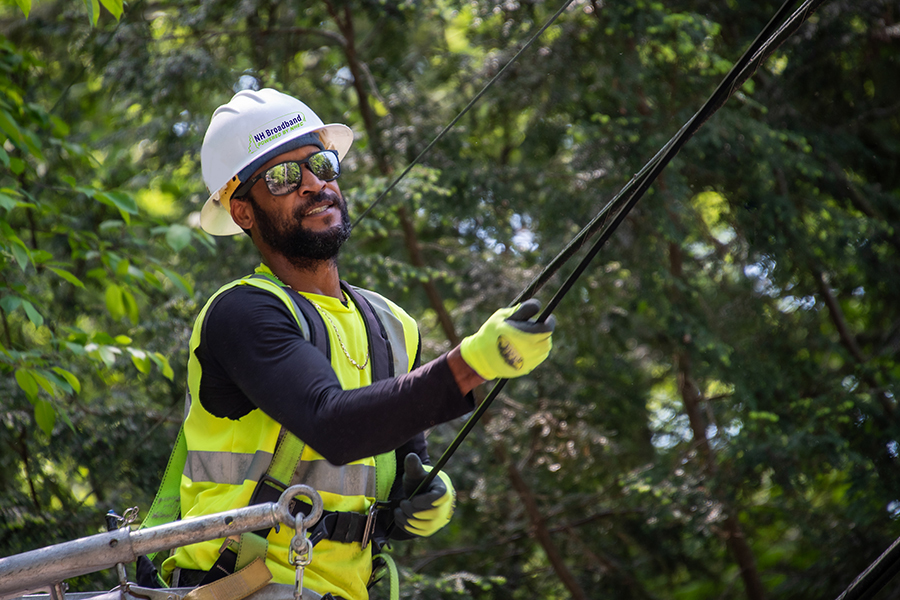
{"type": "Point", "coordinates": [692, 399]}
{"type": "Point", "coordinates": [539, 525]}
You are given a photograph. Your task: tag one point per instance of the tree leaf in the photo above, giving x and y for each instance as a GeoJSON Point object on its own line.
{"type": "Point", "coordinates": [67, 276]}
{"type": "Point", "coordinates": [179, 281]}
{"type": "Point", "coordinates": [45, 383]}
{"type": "Point", "coordinates": [20, 252]}
{"type": "Point", "coordinates": [140, 360]}
{"type": "Point", "coordinates": [115, 302]}
{"type": "Point", "coordinates": [45, 415]}
{"type": "Point", "coordinates": [25, 6]}
{"type": "Point", "coordinates": [61, 410]}
{"type": "Point", "coordinates": [163, 363]}
{"type": "Point", "coordinates": [114, 7]}
{"type": "Point", "coordinates": [131, 307]}
{"type": "Point", "coordinates": [10, 303]}
{"type": "Point", "coordinates": [9, 126]}
{"type": "Point", "coordinates": [178, 237]}
{"type": "Point", "coordinates": [69, 377]}
{"type": "Point", "coordinates": [33, 315]}
{"type": "Point", "coordinates": [122, 267]}
{"type": "Point", "coordinates": [124, 203]}
{"type": "Point", "coordinates": [93, 8]}
{"type": "Point", "coordinates": [27, 382]}
{"type": "Point", "coordinates": [107, 355]}
{"type": "Point", "coordinates": [58, 383]}
{"type": "Point", "coordinates": [7, 202]}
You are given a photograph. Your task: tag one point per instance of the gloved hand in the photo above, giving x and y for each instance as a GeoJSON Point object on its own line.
{"type": "Point", "coordinates": [425, 513]}
{"type": "Point", "coordinates": [508, 344]}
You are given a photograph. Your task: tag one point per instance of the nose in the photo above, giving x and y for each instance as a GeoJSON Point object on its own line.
{"type": "Point", "coordinates": [311, 184]}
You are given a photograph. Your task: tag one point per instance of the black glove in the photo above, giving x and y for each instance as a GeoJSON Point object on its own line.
{"type": "Point", "coordinates": [425, 513]}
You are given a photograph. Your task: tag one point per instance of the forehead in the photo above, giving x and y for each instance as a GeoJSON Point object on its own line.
{"type": "Point", "coordinates": [295, 154]}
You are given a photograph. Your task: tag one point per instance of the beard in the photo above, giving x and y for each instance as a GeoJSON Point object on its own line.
{"type": "Point", "coordinates": [305, 249]}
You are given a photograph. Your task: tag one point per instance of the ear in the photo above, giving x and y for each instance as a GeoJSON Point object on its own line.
{"type": "Point", "coordinates": [242, 212]}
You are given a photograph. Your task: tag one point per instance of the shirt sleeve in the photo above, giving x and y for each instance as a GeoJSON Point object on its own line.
{"type": "Point", "coordinates": [253, 355]}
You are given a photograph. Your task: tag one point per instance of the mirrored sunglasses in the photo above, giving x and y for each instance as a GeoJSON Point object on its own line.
{"type": "Point", "coordinates": [284, 178]}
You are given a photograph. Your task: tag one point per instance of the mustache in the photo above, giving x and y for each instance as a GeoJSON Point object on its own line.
{"type": "Point", "coordinates": [320, 197]}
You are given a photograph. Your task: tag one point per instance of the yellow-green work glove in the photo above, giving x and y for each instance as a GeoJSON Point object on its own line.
{"type": "Point", "coordinates": [425, 513]}
{"type": "Point", "coordinates": [509, 344]}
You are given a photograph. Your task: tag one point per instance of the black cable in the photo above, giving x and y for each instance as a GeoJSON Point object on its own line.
{"type": "Point", "coordinates": [463, 112]}
{"type": "Point", "coordinates": [765, 43]}
{"type": "Point", "coordinates": [876, 576]}
{"type": "Point", "coordinates": [743, 73]}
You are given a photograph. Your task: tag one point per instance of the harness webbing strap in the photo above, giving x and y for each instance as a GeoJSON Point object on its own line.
{"type": "Point", "coordinates": [239, 584]}
{"type": "Point", "coordinates": [167, 504]}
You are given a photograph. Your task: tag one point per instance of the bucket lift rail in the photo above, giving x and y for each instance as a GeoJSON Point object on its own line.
{"type": "Point", "coordinates": [46, 567]}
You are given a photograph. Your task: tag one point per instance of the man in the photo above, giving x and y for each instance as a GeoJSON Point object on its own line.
{"type": "Point", "coordinates": [258, 381]}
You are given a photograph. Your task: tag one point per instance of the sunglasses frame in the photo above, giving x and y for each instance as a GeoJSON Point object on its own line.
{"type": "Point", "coordinates": [245, 187]}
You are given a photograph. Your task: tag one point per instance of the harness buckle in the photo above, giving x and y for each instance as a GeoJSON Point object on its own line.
{"type": "Point", "coordinates": [370, 525]}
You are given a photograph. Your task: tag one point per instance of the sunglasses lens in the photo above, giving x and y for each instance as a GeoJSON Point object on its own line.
{"type": "Point", "coordinates": [325, 165]}
{"type": "Point", "coordinates": [284, 178]}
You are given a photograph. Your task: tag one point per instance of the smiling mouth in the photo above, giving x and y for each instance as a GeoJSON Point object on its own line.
{"type": "Point", "coordinates": [319, 209]}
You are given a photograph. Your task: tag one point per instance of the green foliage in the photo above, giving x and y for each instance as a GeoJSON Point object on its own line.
{"type": "Point", "coordinates": [728, 364]}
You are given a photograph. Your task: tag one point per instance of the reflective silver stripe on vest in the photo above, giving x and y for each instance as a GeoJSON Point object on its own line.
{"type": "Point", "coordinates": [393, 327]}
{"type": "Point", "coordinates": [226, 467]}
{"type": "Point", "coordinates": [348, 480]}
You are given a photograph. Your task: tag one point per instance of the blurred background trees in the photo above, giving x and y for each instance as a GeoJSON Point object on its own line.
{"type": "Point", "coordinates": [719, 416]}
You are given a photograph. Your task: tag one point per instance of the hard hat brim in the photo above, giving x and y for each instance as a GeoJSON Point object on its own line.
{"type": "Point", "coordinates": [216, 219]}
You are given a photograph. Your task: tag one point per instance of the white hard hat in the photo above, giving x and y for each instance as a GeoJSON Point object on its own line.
{"type": "Point", "coordinates": [246, 133]}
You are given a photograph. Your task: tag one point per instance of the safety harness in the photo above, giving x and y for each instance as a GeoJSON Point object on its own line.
{"type": "Point", "coordinates": [343, 527]}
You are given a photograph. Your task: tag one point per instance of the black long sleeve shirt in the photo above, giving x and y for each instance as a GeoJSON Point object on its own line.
{"type": "Point", "coordinates": [253, 355]}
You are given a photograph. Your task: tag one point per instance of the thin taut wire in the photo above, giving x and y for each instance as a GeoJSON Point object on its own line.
{"type": "Point", "coordinates": [464, 111]}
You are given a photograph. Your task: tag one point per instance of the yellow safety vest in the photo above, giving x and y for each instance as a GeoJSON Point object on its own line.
{"type": "Point", "coordinates": [227, 458]}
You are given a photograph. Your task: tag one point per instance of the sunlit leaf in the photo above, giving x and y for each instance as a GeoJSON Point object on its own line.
{"type": "Point", "coordinates": [114, 7]}
{"type": "Point", "coordinates": [27, 383]}
{"type": "Point", "coordinates": [115, 302]}
{"type": "Point", "coordinates": [122, 267]}
{"type": "Point", "coordinates": [70, 378]}
{"type": "Point", "coordinates": [130, 306]}
{"type": "Point", "coordinates": [163, 363]}
{"type": "Point", "coordinates": [45, 383]}
{"type": "Point", "coordinates": [140, 360]}
{"type": "Point", "coordinates": [9, 126]}
{"type": "Point", "coordinates": [45, 415]}
{"type": "Point", "coordinates": [24, 6]}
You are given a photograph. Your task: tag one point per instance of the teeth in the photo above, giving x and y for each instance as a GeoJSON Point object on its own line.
{"type": "Point", "coordinates": [316, 211]}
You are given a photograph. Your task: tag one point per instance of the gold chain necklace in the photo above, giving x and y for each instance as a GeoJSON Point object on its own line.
{"type": "Point", "coordinates": [267, 271]}
{"type": "Point", "coordinates": [340, 340]}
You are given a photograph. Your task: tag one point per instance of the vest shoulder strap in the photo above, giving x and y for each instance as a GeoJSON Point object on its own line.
{"type": "Point", "coordinates": [308, 318]}
{"type": "Point", "coordinates": [379, 346]}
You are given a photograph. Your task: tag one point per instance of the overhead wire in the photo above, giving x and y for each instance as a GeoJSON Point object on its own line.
{"type": "Point", "coordinates": [614, 213]}
{"type": "Point", "coordinates": [465, 110]}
